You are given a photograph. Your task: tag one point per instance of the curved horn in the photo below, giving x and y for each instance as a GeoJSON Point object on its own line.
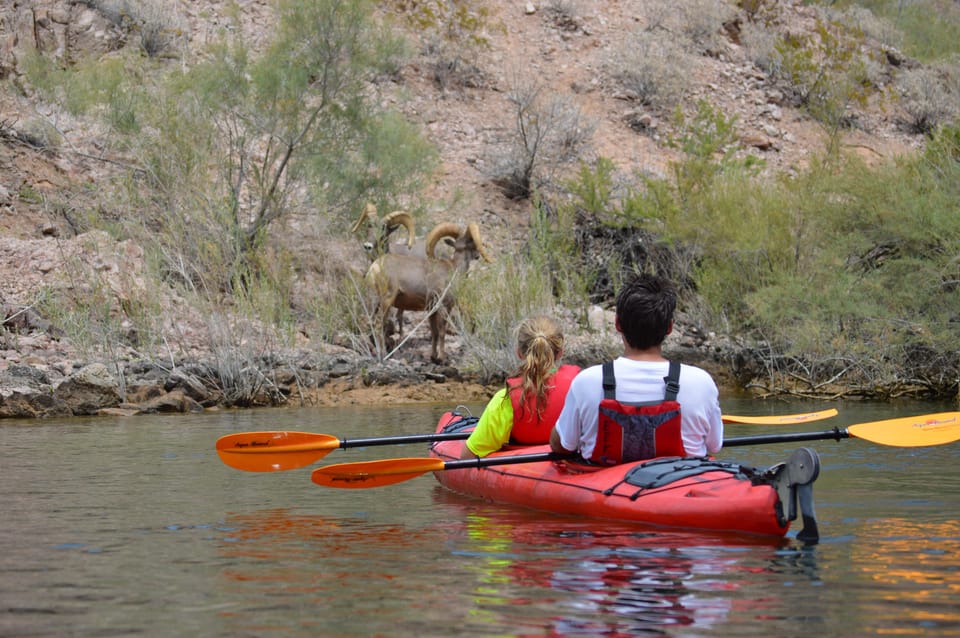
{"type": "Point", "coordinates": [401, 218]}
{"type": "Point", "coordinates": [369, 211]}
{"type": "Point", "coordinates": [445, 229]}
{"type": "Point", "coordinates": [473, 229]}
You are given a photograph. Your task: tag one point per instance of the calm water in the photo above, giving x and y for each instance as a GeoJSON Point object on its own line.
{"type": "Point", "coordinates": [127, 527]}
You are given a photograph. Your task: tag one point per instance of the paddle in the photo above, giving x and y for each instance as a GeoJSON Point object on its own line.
{"type": "Point", "coordinates": [274, 451]}
{"type": "Point", "coordinates": [913, 431]}
{"type": "Point", "coordinates": [781, 419]}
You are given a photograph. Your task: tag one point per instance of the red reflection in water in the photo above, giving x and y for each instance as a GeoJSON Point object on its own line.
{"type": "Point", "coordinates": [621, 579]}
{"type": "Point", "coordinates": [489, 568]}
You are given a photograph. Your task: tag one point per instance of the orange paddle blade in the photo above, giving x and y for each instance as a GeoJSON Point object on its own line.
{"type": "Point", "coordinates": [374, 473]}
{"type": "Point", "coordinates": [911, 431]}
{"type": "Point", "coordinates": [274, 451]}
{"type": "Point", "coordinates": [783, 419]}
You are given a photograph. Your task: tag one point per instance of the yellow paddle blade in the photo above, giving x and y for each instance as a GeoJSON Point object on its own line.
{"type": "Point", "coordinates": [274, 451]}
{"type": "Point", "coordinates": [911, 431]}
{"type": "Point", "coordinates": [374, 473]}
{"type": "Point", "coordinates": [783, 419]}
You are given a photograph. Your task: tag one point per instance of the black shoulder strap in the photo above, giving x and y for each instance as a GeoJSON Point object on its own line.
{"type": "Point", "coordinates": [609, 382]}
{"type": "Point", "coordinates": [673, 382]}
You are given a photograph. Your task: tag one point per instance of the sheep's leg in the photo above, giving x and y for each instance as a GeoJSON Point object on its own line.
{"type": "Point", "coordinates": [438, 324]}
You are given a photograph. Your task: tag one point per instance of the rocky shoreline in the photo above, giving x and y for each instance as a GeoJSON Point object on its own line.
{"type": "Point", "coordinates": [41, 376]}
{"type": "Point", "coordinates": [96, 389]}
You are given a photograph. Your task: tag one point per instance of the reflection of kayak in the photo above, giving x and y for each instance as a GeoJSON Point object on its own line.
{"type": "Point", "coordinates": [692, 493]}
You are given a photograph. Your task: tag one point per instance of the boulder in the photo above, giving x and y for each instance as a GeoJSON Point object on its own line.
{"type": "Point", "coordinates": [26, 392]}
{"type": "Point", "coordinates": [89, 390]}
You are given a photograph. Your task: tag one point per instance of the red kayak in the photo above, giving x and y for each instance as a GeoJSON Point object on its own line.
{"type": "Point", "coordinates": [674, 492]}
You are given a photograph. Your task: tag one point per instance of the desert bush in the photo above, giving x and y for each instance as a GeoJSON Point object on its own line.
{"type": "Point", "coordinates": [694, 25]}
{"type": "Point", "coordinates": [926, 99]}
{"type": "Point", "coordinates": [490, 303]}
{"type": "Point", "coordinates": [930, 28]}
{"type": "Point", "coordinates": [563, 14]}
{"type": "Point", "coordinates": [39, 133]}
{"type": "Point", "coordinates": [845, 274]}
{"type": "Point", "coordinates": [703, 22]}
{"type": "Point", "coordinates": [651, 68]}
{"type": "Point", "coordinates": [548, 134]}
{"type": "Point", "coordinates": [157, 25]}
{"type": "Point", "coordinates": [727, 231]}
{"type": "Point", "coordinates": [709, 142]}
{"type": "Point", "coordinates": [223, 158]}
{"type": "Point", "coordinates": [950, 74]}
{"type": "Point", "coordinates": [760, 44]}
{"type": "Point", "coordinates": [863, 19]}
{"type": "Point", "coordinates": [554, 249]}
{"type": "Point", "coordinates": [453, 32]}
{"type": "Point", "coordinates": [110, 87]}
{"type": "Point", "coordinates": [759, 11]}
{"type": "Point", "coordinates": [882, 280]}
{"type": "Point", "coordinates": [104, 302]}
{"type": "Point", "coordinates": [243, 357]}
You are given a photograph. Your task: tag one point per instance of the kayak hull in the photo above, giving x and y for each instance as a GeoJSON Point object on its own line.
{"type": "Point", "coordinates": [722, 499]}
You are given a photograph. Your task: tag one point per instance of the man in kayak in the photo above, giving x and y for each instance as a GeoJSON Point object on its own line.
{"type": "Point", "coordinates": [640, 405]}
{"type": "Point", "coordinates": [524, 410]}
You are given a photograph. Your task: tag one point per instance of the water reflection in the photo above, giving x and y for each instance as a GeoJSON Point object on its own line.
{"type": "Point", "coordinates": [492, 570]}
{"type": "Point", "coordinates": [914, 570]}
{"type": "Point", "coordinates": [288, 567]}
{"type": "Point", "coordinates": [612, 579]}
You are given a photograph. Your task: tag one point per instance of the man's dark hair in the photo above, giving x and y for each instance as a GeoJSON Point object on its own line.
{"type": "Point", "coordinates": [645, 308]}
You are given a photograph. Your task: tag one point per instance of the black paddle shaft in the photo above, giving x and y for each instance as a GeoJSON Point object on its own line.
{"type": "Point", "coordinates": [413, 438]}
{"type": "Point", "coordinates": [836, 434]}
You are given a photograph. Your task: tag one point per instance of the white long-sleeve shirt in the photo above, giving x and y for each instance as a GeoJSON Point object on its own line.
{"type": "Point", "coordinates": [642, 381]}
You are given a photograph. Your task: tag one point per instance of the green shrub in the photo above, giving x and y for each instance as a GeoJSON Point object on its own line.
{"type": "Point", "coordinates": [825, 72]}
{"type": "Point", "coordinates": [879, 282]}
{"type": "Point", "coordinates": [453, 32]}
{"type": "Point", "coordinates": [930, 28]}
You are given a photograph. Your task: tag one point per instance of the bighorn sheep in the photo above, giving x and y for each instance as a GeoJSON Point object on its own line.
{"type": "Point", "coordinates": [412, 282]}
{"type": "Point", "coordinates": [377, 243]}
{"type": "Point", "coordinates": [378, 231]}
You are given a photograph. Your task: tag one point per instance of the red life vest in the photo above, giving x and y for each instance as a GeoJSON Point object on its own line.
{"type": "Point", "coordinates": [530, 428]}
{"type": "Point", "coordinates": [629, 432]}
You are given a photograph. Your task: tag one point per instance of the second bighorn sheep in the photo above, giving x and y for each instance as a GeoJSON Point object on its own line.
{"type": "Point", "coordinates": [413, 282]}
{"type": "Point", "coordinates": [377, 239]}
{"type": "Point", "coordinates": [378, 231]}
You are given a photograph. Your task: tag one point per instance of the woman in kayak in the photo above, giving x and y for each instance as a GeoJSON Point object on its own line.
{"type": "Point", "coordinates": [524, 410]}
